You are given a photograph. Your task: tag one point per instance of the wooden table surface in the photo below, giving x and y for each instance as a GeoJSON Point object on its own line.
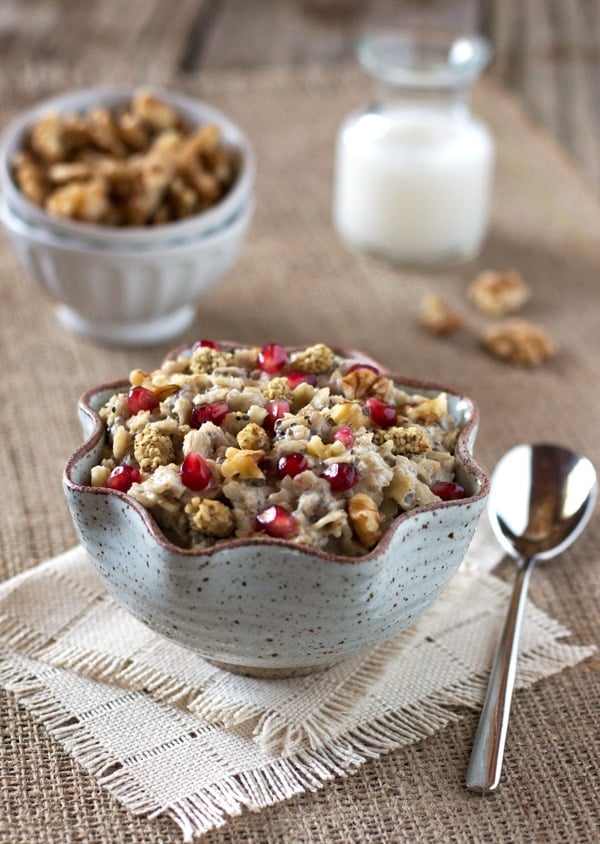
{"type": "Point", "coordinates": [547, 52]}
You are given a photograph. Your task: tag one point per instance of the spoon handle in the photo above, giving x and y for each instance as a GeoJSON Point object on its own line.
{"type": "Point", "coordinates": [485, 764]}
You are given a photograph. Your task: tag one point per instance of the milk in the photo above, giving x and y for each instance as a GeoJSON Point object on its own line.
{"type": "Point", "coordinates": [412, 183]}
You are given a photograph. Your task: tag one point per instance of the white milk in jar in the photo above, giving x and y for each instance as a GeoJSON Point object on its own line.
{"type": "Point", "coordinates": [414, 171]}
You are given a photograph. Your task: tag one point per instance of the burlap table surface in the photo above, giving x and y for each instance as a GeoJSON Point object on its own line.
{"type": "Point", "coordinates": [296, 283]}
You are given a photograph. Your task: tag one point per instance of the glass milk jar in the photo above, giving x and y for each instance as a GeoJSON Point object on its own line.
{"type": "Point", "coordinates": [414, 170]}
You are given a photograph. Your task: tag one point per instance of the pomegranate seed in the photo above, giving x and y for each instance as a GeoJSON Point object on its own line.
{"type": "Point", "coordinates": [122, 477]}
{"type": "Point", "coordinates": [276, 521]}
{"type": "Point", "coordinates": [139, 398]}
{"type": "Point", "coordinates": [344, 435]}
{"type": "Point", "coordinates": [208, 344]}
{"type": "Point", "coordinates": [215, 412]}
{"type": "Point", "coordinates": [272, 358]}
{"type": "Point", "coordinates": [341, 476]}
{"type": "Point", "coordinates": [298, 376]}
{"type": "Point", "coordinates": [356, 366]}
{"type": "Point", "coordinates": [195, 472]}
{"type": "Point", "coordinates": [448, 490]}
{"type": "Point", "coordinates": [291, 464]}
{"type": "Point", "coordinates": [383, 415]}
{"type": "Point", "coordinates": [276, 409]}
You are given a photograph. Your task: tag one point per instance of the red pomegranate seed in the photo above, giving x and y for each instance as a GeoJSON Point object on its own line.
{"type": "Point", "coordinates": [195, 472]}
{"type": "Point", "coordinates": [291, 464]}
{"type": "Point", "coordinates": [448, 490]}
{"type": "Point", "coordinates": [298, 376]}
{"type": "Point", "coordinates": [344, 435]}
{"type": "Point", "coordinates": [139, 398]}
{"type": "Point", "coordinates": [272, 358]}
{"type": "Point", "coordinates": [276, 521]}
{"type": "Point", "coordinates": [208, 344]}
{"type": "Point", "coordinates": [276, 409]}
{"type": "Point", "coordinates": [215, 412]}
{"type": "Point", "coordinates": [341, 476]}
{"type": "Point", "coordinates": [356, 366]}
{"type": "Point", "coordinates": [383, 415]}
{"type": "Point", "coordinates": [122, 477]}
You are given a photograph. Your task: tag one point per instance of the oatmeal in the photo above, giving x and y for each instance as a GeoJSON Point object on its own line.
{"type": "Point", "coordinates": [303, 445]}
{"type": "Point", "coordinates": [139, 165]}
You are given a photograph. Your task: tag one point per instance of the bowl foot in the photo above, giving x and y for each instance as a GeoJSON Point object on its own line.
{"type": "Point", "coordinates": [269, 673]}
{"type": "Point", "coordinates": [147, 333]}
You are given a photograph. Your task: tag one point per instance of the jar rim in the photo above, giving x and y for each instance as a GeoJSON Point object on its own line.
{"type": "Point", "coordinates": [424, 60]}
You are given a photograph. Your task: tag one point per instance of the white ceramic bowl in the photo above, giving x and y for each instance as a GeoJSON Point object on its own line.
{"type": "Point", "coordinates": [127, 296]}
{"type": "Point", "coordinates": [196, 113]}
{"type": "Point", "coordinates": [264, 606]}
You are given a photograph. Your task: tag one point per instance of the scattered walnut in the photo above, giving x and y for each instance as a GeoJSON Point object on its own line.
{"type": "Point", "coordinates": [365, 519]}
{"type": "Point", "coordinates": [348, 413]}
{"type": "Point", "coordinates": [86, 201]}
{"type": "Point", "coordinates": [210, 517]}
{"type": "Point", "coordinates": [410, 440]}
{"type": "Point", "coordinates": [438, 318]}
{"type": "Point", "coordinates": [364, 382]}
{"type": "Point", "coordinates": [498, 293]}
{"type": "Point", "coordinates": [519, 341]}
{"type": "Point", "coordinates": [314, 359]}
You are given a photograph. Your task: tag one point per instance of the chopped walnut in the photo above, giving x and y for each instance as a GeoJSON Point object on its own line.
{"type": "Point", "coordinates": [155, 169]}
{"type": "Point", "coordinates": [410, 440]}
{"type": "Point", "coordinates": [364, 382]}
{"type": "Point", "coordinates": [519, 341]}
{"type": "Point", "coordinates": [314, 359]}
{"type": "Point", "coordinates": [210, 517]}
{"type": "Point", "coordinates": [252, 437]}
{"type": "Point", "coordinates": [278, 388]}
{"type": "Point", "coordinates": [498, 293]}
{"type": "Point", "coordinates": [86, 201]}
{"type": "Point", "coordinates": [365, 519]}
{"type": "Point", "coordinates": [438, 318]}
{"type": "Point", "coordinates": [242, 463]}
{"type": "Point", "coordinates": [153, 448]}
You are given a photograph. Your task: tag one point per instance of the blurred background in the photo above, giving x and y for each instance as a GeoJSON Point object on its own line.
{"type": "Point", "coordinates": [547, 52]}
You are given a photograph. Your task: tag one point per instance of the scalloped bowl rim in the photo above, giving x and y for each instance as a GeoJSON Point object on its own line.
{"type": "Point", "coordinates": [77, 99]}
{"type": "Point", "coordinates": [462, 452]}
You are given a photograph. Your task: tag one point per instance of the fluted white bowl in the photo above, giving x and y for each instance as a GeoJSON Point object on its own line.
{"type": "Point", "coordinates": [196, 112]}
{"type": "Point", "coordinates": [133, 296]}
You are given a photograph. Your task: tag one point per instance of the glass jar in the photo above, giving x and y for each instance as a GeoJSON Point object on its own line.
{"type": "Point", "coordinates": [414, 170]}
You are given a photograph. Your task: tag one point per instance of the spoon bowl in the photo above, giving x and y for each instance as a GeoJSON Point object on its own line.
{"type": "Point", "coordinates": [541, 498]}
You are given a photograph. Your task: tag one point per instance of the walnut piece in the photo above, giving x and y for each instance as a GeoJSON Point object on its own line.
{"type": "Point", "coordinates": [365, 518]}
{"type": "Point", "coordinates": [242, 463]}
{"type": "Point", "coordinates": [498, 293]}
{"type": "Point", "coordinates": [438, 318]}
{"type": "Point", "coordinates": [519, 341]}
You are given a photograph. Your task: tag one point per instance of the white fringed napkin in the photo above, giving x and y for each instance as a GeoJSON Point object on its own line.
{"type": "Point", "coordinates": [167, 733]}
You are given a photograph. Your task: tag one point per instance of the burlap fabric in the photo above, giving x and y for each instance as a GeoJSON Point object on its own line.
{"type": "Point", "coordinates": [296, 283]}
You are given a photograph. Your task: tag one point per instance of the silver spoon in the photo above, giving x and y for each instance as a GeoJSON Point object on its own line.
{"type": "Point", "coordinates": [541, 497]}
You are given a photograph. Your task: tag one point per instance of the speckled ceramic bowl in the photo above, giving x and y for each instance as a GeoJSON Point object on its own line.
{"type": "Point", "coordinates": [266, 606]}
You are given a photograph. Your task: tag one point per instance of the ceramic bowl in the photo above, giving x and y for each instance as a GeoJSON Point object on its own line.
{"type": "Point", "coordinates": [127, 286]}
{"type": "Point", "coordinates": [196, 112]}
{"type": "Point", "coordinates": [127, 297]}
{"type": "Point", "coordinates": [265, 606]}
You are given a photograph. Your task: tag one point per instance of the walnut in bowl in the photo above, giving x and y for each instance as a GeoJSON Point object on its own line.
{"type": "Point", "coordinates": [275, 509]}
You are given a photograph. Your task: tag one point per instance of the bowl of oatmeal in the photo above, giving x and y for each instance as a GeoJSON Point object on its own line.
{"type": "Point", "coordinates": [275, 509]}
{"type": "Point", "coordinates": [125, 206]}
